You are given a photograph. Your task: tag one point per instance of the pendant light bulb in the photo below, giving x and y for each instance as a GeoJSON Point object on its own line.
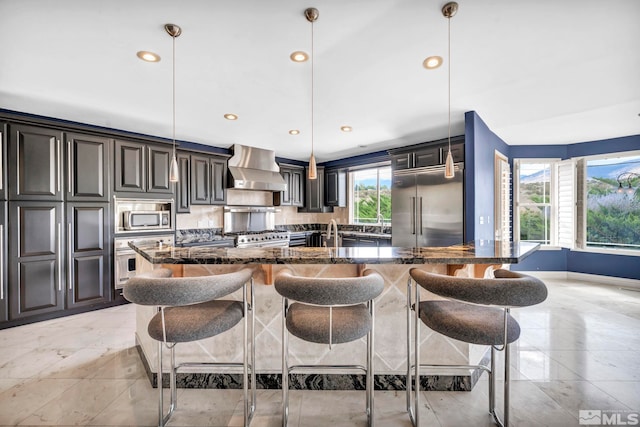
{"type": "Point", "coordinates": [313, 171]}
{"type": "Point", "coordinates": [173, 170]}
{"type": "Point", "coordinates": [449, 169]}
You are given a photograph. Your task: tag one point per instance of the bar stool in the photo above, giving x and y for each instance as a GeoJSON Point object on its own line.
{"type": "Point", "coordinates": [328, 311]}
{"type": "Point", "coordinates": [189, 309]}
{"type": "Point", "coordinates": [476, 311]}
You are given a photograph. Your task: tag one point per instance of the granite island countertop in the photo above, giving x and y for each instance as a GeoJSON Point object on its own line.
{"type": "Point", "coordinates": [476, 252]}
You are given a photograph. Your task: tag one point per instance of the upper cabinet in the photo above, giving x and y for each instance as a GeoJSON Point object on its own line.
{"type": "Point", "coordinates": [141, 168]}
{"type": "Point", "coordinates": [208, 180]}
{"type": "Point", "coordinates": [183, 187]}
{"type": "Point", "coordinates": [428, 154]}
{"type": "Point", "coordinates": [314, 193]}
{"type": "Point", "coordinates": [3, 161]}
{"type": "Point", "coordinates": [87, 168]}
{"type": "Point", "coordinates": [294, 194]}
{"type": "Point", "coordinates": [335, 192]}
{"type": "Point", "coordinates": [35, 163]}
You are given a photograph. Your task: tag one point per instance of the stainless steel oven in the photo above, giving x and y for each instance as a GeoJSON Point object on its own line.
{"type": "Point", "coordinates": [125, 257]}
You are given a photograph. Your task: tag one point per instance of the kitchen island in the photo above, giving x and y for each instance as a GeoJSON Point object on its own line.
{"type": "Point", "coordinates": [392, 263]}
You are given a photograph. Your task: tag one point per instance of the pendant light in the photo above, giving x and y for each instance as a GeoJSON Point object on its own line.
{"type": "Point", "coordinates": [449, 10]}
{"type": "Point", "coordinates": [312, 15]}
{"type": "Point", "coordinates": [174, 31]}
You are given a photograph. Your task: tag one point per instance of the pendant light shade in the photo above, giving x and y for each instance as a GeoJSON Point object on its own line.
{"type": "Point", "coordinates": [312, 15]}
{"type": "Point", "coordinates": [174, 31]}
{"type": "Point", "coordinates": [448, 10]}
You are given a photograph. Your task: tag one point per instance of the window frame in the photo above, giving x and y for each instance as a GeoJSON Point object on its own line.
{"type": "Point", "coordinates": [351, 195]}
{"type": "Point", "coordinates": [553, 200]}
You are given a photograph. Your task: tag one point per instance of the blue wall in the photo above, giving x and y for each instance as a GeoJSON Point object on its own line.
{"type": "Point", "coordinates": [579, 261]}
{"type": "Point", "coordinates": [480, 146]}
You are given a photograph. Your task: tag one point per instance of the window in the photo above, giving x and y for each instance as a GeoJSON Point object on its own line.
{"type": "Point", "coordinates": [370, 195]}
{"type": "Point", "coordinates": [612, 202]}
{"type": "Point", "coordinates": [535, 201]}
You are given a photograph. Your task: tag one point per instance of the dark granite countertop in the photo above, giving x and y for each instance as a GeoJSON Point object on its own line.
{"type": "Point", "coordinates": [478, 252]}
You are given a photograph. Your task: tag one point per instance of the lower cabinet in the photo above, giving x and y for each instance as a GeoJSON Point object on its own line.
{"type": "Point", "coordinates": [35, 258]}
{"type": "Point", "coordinates": [88, 254]}
{"type": "Point", "coordinates": [360, 241]}
{"type": "Point", "coordinates": [4, 293]}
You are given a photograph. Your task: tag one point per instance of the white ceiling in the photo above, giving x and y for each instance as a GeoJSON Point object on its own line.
{"type": "Point", "coordinates": [537, 72]}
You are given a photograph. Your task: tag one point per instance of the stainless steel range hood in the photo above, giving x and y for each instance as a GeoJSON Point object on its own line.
{"type": "Point", "coordinates": [253, 168]}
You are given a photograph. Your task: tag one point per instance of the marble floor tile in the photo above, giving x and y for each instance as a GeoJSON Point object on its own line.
{"type": "Point", "coordinates": [578, 350]}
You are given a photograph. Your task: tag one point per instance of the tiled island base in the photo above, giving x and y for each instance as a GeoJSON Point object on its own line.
{"type": "Point", "coordinates": [390, 338]}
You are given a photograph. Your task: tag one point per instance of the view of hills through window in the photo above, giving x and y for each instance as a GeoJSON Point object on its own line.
{"type": "Point", "coordinates": [534, 202]}
{"type": "Point", "coordinates": [372, 195]}
{"type": "Point", "coordinates": [613, 202]}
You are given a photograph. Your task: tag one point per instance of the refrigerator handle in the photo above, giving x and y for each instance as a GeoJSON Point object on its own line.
{"type": "Point", "coordinates": [420, 230]}
{"type": "Point", "coordinates": [413, 215]}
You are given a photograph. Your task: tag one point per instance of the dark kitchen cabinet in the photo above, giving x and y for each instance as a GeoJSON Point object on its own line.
{"type": "Point", "coordinates": [183, 187]}
{"type": "Point", "coordinates": [87, 168]}
{"type": "Point", "coordinates": [130, 167]}
{"type": "Point", "coordinates": [88, 278]}
{"type": "Point", "coordinates": [35, 163]}
{"type": "Point", "coordinates": [36, 262]}
{"type": "Point", "coordinates": [335, 187]}
{"type": "Point", "coordinates": [141, 168]}
{"type": "Point", "coordinates": [294, 194]}
{"type": "Point", "coordinates": [428, 154]}
{"type": "Point", "coordinates": [314, 193]}
{"type": "Point", "coordinates": [208, 180]}
{"type": "Point", "coordinates": [3, 161]}
{"type": "Point", "coordinates": [4, 291]}
{"type": "Point", "coordinates": [364, 241]}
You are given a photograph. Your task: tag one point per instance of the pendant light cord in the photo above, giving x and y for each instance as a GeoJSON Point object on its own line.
{"type": "Point", "coordinates": [449, 77]}
{"type": "Point", "coordinates": [173, 101]}
{"type": "Point", "coordinates": [312, 58]}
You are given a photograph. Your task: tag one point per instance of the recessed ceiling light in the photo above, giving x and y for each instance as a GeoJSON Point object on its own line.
{"type": "Point", "coordinates": [148, 56]}
{"type": "Point", "coordinates": [230, 116]}
{"type": "Point", "coordinates": [432, 62]}
{"type": "Point", "coordinates": [362, 146]}
{"type": "Point", "coordinates": [346, 128]}
{"type": "Point", "coordinates": [294, 132]}
{"type": "Point", "coordinates": [299, 56]}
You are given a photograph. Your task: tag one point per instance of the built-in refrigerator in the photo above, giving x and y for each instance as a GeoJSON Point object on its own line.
{"type": "Point", "coordinates": [427, 209]}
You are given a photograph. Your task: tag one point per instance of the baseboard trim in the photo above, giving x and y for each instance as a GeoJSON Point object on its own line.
{"type": "Point", "coordinates": [619, 282]}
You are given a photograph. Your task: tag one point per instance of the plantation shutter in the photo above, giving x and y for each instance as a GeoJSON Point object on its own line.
{"type": "Point", "coordinates": [566, 203]}
{"type": "Point", "coordinates": [581, 223]}
{"type": "Point", "coordinates": [503, 228]}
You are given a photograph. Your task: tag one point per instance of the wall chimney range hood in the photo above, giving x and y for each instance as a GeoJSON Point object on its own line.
{"type": "Point", "coordinates": [252, 168]}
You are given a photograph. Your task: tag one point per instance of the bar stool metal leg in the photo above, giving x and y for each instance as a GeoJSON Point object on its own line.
{"type": "Point", "coordinates": [370, 370]}
{"type": "Point", "coordinates": [285, 364]}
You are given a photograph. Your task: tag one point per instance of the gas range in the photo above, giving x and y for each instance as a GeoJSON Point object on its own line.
{"type": "Point", "coordinates": [262, 239]}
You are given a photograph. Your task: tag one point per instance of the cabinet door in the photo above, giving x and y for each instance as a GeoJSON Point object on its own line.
{"type": "Point", "coordinates": [35, 163]}
{"type": "Point", "coordinates": [457, 152]}
{"type": "Point", "coordinates": [88, 255]}
{"type": "Point", "coordinates": [365, 242]}
{"type": "Point", "coordinates": [4, 294]}
{"type": "Point", "coordinates": [335, 188]}
{"type": "Point", "coordinates": [130, 167]}
{"type": "Point", "coordinates": [402, 161]}
{"type": "Point", "coordinates": [427, 157]}
{"type": "Point", "coordinates": [200, 180]}
{"type": "Point", "coordinates": [159, 164]}
{"type": "Point", "coordinates": [35, 258]}
{"type": "Point", "coordinates": [183, 188]}
{"type": "Point", "coordinates": [384, 242]}
{"type": "Point", "coordinates": [218, 181]}
{"type": "Point", "coordinates": [315, 193]}
{"type": "Point", "coordinates": [285, 197]}
{"type": "Point", "coordinates": [87, 168]}
{"type": "Point", "coordinates": [348, 242]}
{"type": "Point", "coordinates": [3, 158]}
{"type": "Point", "coordinates": [297, 187]}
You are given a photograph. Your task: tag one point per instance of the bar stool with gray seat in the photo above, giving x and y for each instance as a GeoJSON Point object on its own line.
{"type": "Point", "coordinates": [476, 311]}
{"type": "Point", "coordinates": [190, 309]}
{"type": "Point", "coordinates": [328, 311]}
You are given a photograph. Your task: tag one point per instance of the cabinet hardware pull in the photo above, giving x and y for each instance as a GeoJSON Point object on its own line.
{"type": "Point", "coordinates": [69, 167]}
{"type": "Point", "coordinates": [1, 262]}
{"type": "Point", "coordinates": [70, 262]}
{"type": "Point", "coordinates": [60, 257]}
{"type": "Point", "coordinates": [59, 161]}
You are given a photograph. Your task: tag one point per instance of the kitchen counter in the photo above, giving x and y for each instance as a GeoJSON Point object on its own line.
{"type": "Point", "coordinates": [470, 259]}
{"type": "Point", "coordinates": [478, 252]}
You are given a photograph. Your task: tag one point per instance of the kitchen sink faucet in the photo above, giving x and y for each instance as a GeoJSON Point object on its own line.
{"type": "Point", "coordinates": [333, 225]}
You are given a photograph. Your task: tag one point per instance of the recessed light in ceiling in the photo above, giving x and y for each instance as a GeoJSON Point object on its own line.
{"type": "Point", "coordinates": [299, 56]}
{"type": "Point", "coordinates": [432, 62]}
{"type": "Point", "coordinates": [148, 56]}
{"type": "Point", "coordinates": [230, 116]}
{"type": "Point", "coordinates": [362, 146]}
{"type": "Point", "coordinates": [346, 128]}
{"type": "Point", "coordinates": [294, 132]}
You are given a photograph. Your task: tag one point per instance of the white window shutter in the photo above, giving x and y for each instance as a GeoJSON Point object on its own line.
{"type": "Point", "coordinates": [504, 226]}
{"type": "Point", "coordinates": [566, 203]}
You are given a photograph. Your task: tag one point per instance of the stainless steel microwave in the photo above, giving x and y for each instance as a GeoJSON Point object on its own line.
{"type": "Point", "coordinates": [147, 220]}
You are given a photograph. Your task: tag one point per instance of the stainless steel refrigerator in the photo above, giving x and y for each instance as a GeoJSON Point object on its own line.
{"type": "Point", "coordinates": [427, 209]}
